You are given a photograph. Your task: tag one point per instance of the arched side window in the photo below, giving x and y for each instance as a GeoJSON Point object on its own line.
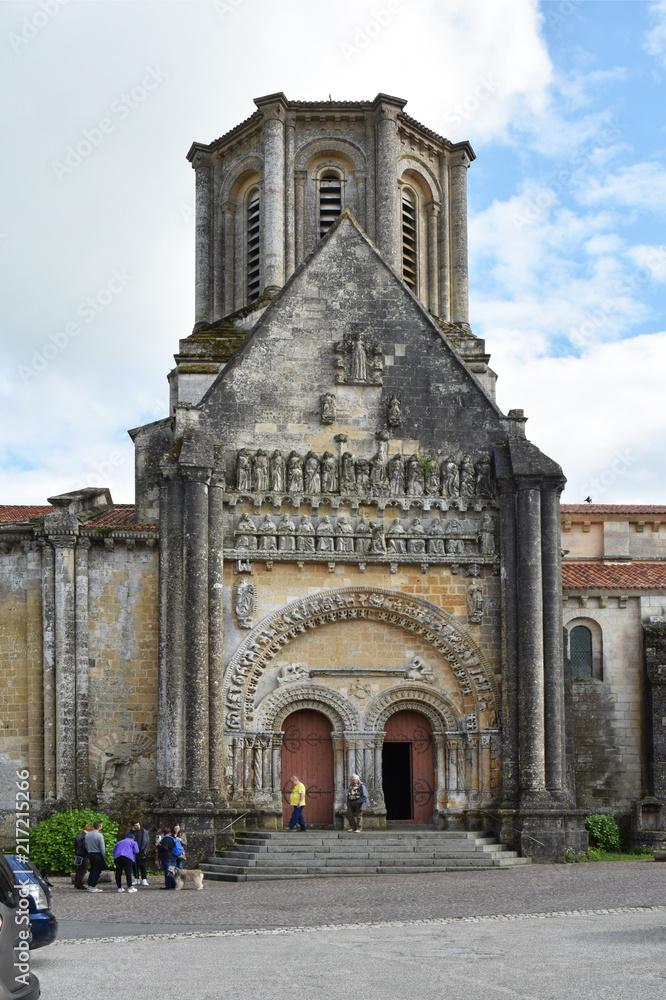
{"type": "Point", "coordinates": [330, 201]}
{"type": "Point", "coordinates": [253, 246]}
{"type": "Point", "coordinates": [580, 651]}
{"type": "Point", "coordinates": [409, 240]}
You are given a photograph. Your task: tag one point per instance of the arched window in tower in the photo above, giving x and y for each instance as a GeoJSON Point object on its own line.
{"type": "Point", "coordinates": [253, 246]}
{"type": "Point", "coordinates": [330, 201]}
{"type": "Point", "coordinates": [409, 274]}
{"type": "Point", "coordinates": [580, 651]}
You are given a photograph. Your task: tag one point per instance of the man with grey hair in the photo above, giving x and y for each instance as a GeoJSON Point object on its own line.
{"type": "Point", "coordinates": [357, 800]}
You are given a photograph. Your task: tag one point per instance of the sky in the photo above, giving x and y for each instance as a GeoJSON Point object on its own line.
{"type": "Point", "coordinates": [564, 105]}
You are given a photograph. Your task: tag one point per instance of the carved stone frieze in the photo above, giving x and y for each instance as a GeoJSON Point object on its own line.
{"type": "Point", "coordinates": [290, 672]}
{"type": "Point", "coordinates": [328, 408]}
{"type": "Point", "coordinates": [475, 602]}
{"type": "Point", "coordinates": [245, 603]}
{"type": "Point", "coordinates": [418, 670]}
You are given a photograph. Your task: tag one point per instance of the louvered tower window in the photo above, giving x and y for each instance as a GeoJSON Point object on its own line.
{"type": "Point", "coordinates": [580, 651]}
{"type": "Point", "coordinates": [330, 202]}
{"type": "Point", "coordinates": [409, 239]}
{"type": "Point", "coordinates": [253, 261]}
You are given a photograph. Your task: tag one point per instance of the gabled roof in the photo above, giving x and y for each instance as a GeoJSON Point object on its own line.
{"type": "Point", "coordinates": [13, 512]}
{"type": "Point", "coordinates": [614, 576]}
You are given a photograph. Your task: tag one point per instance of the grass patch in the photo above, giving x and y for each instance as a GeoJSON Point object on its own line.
{"type": "Point", "coordinates": [596, 854]}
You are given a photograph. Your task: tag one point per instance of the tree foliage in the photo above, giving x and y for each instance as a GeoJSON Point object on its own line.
{"type": "Point", "coordinates": [603, 832]}
{"type": "Point", "coordinates": [52, 840]}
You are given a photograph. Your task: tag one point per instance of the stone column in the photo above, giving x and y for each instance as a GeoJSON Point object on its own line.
{"type": "Point", "coordinates": [272, 205]}
{"type": "Point", "coordinates": [171, 669]}
{"type": "Point", "coordinates": [530, 639]}
{"type": "Point", "coordinates": [48, 631]}
{"type": "Point", "coordinates": [195, 546]}
{"type": "Point", "coordinates": [444, 244]}
{"type": "Point", "coordinates": [509, 597]}
{"type": "Point", "coordinates": [438, 739]}
{"type": "Point", "coordinates": [289, 221]}
{"type": "Point", "coordinates": [299, 210]}
{"type": "Point", "coordinates": [82, 664]}
{"type": "Point", "coordinates": [459, 292]}
{"type": "Point", "coordinates": [216, 628]}
{"type": "Point", "coordinates": [217, 240]}
{"type": "Point", "coordinates": [433, 258]}
{"type": "Point", "coordinates": [654, 629]}
{"type": "Point", "coordinates": [370, 190]}
{"type": "Point", "coordinates": [203, 239]}
{"type": "Point", "coordinates": [34, 665]}
{"type": "Point", "coordinates": [276, 764]}
{"type": "Point", "coordinates": [484, 782]}
{"type": "Point", "coordinates": [387, 208]}
{"type": "Point", "coordinates": [65, 666]}
{"type": "Point", "coordinates": [553, 653]}
{"type": "Point", "coordinates": [229, 257]}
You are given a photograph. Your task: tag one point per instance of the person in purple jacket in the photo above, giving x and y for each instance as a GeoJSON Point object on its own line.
{"type": "Point", "coordinates": [124, 853]}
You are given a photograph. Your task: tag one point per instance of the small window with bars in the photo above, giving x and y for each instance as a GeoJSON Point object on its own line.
{"type": "Point", "coordinates": [253, 246]}
{"type": "Point", "coordinates": [330, 201]}
{"type": "Point", "coordinates": [409, 239]}
{"type": "Point", "coordinates": [580, 651]}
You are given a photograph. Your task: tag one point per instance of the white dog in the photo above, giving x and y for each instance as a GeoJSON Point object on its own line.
{"type": "Point", "coordinates": [183, 878]}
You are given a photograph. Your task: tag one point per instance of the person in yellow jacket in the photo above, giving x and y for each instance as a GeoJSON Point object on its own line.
{"type": "Point", "coordinates": [297, 800]}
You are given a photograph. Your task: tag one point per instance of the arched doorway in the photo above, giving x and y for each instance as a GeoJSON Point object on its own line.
{"type": "Point", "coordinates": [307, 751]}
{"type": "Point", "coordinates": [408, 768]}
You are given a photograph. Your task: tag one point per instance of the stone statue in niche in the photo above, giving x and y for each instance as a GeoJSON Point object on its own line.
{"type": "Point", "coordinates": [395, 538]}
{"type": "Point", "coordinates": [277, 472]}
{"type": "Point", "coordinates": [267, 535]}
{"type": "Point", "coordinates": [436, 539]}
{"type": "Point", "coordinates": [244, 471]}
{"type": "Point", "coordinates": [487, 536]}
{"type": "Point", "coordinates": [325, 534]}
{"type": "Point", "coordinates": [328, 408]}
{"type": "Point", "coordinates": [359, 360]}
{"type": "Point", "coordinates": [484, 478]}
{"type": "Point", "coordinates": [329, 473]}
{"type": "Point", "coordinates": [467, 478]}
{"type": "Point", "coordinates": [245, 603]}
{"type": "Point", "coordinates": [312, 475]}
{"type": "Point", "coordinates": [378, 473]}
{"type": "Point", "coordinates": [450, 478]}
{"type": "Point", "coordinates": [454, 546]}
{"type": "Point", "coordinates": [362, 476]}
{"type": "Point", "coordinates": [286, 530]}
{"type": "Point", "coordinates": [396, 474]}
{"type": "Point", "coordinates": [246, 533]}
{"type": "Point", "coordinates": [393, 412]}
{"type": "Point", "coordinates": [363, 533]}
{"type": "Point", "coordinates": [432, 478]}
{"type": "Point", "coordinates": [294, 473]}
{"type": "Point", "coordinates": [260, 471]}
{"type": "Point", "coordinates": [475, 601]}
{"type": "Point", "coordinates": [344, 535]}
{"type": "Point", "coordinates": [418, 670]}
{"type": "Point", "coordinates": [360, 691]}
{"type": "Point", "coordinates": [415, 479]}
{"type": "Point", "coordinates": [348, 484]}
{"type": "Point", "coordinates": [378, 541]}
{"type": "Point", "coordinates": [416, 545]}
{"type": "Point", "coordinates": [305, 535]}
{"type": "Point", "coordinates": [289, 672]}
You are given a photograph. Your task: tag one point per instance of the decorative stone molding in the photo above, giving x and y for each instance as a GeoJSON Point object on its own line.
{"type": "Point", "coordinates": [245, 603]}
{"type": "Point", "coordinates": [436, 707]}
{"type": "Point", "coordinates": [280, 703]}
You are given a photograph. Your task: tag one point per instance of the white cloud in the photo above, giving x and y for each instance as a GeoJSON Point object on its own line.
{"type": "Point", "coordinates": [642, 185]}
{"type": "Point", "coordinates": [655, 39]}
{"type": "Point", "coordinates": [652, 258]}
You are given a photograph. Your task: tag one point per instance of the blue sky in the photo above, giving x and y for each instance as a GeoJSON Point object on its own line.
{"type": "Point", "coordinates": [563, 102]}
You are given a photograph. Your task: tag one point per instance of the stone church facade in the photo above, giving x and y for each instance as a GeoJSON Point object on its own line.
{"type": "Point", "coordinates": [343, 557]}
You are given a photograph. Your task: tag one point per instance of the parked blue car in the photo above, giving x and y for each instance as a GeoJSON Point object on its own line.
{"type": "Point", "coordinates": [43, 924]}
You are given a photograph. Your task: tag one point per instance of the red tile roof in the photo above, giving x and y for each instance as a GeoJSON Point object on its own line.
{"type": "Point", "coordinates": [611, 508]}
{"type": "Point", "coordinates": [10, 513]}
{"type": "Point", "coordinates": [122, 516]}
{"type": "Point", "coordinates": [616, 576]}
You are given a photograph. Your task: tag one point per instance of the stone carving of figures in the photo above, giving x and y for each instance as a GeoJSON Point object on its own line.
{"type": "Point", "coordinates": [362, 476]}
{"type": "Point", "coordinates": [292, 672]}
{"type": "Point", "coordinates": [344, 535]}
{"type": "Point", "coordinates": [416, 545]}
{"type": "Point", "coordinates": [378, 475]}
{"type": "Point", "coordinates": [329, 473]}
{"type": "Point", "coordinates": [305, 541]}
{"type": "Point", "coordinates": [244, 471]}
{"type": "Point", "coordinates": [267, 535]}
{"type": "Point", "coordinates": [432, 479]}
{"type": "Point", "coordinates": [378, 543]}
{"type": "Point", "coordinates": [325, 535]}
{"type": "Point", "coordinates": [312, 474]}
{"type": "Point", "coordinates": [415, 480]}
{"type": "Point", "coordinates": [395, 538]}
{"type": "Point", "coordinates": [455, 547]}
{"type": "Point", "coordinates": [436, 539]}
{"type": "Point", "coordinates": [246, 533]}
{"type": "Point", "coordinates": [294, 473]}
{"type": "Point", "coordinates": [467, 478]}
{"type": "Point", "coordinates": [450, 478]}
{"type": "Point", "coordinates": [277, 472]}
{"type": "Point", "coordinates": [286, 530]}
{"type": "Point", "coordinates": [377, 365]}
{"type": "Point", "coordinates": [396, 474]}
{"type": "Point", "coordinates": [418, 670]}
{"type": "Point", "coordinates": [363, 533]}
{"type": "Point", "coordinates": [394, 412]}
{"type": "Point", "coordinates": [260, 471]}
{"type": "Point", "coordinates": [484, 478]}
{"type": "Point", "coordinates": [475, 601]}
{"type": "Point", "coordinates": [348, 484]}
{"type": "Point", "coordinates": [245, 603]}
{"type": "Point", "coordinates": [487, 536]}
{"type": "Point", "coordinates": [328, 408]}
{"type": "Point", "coordinates": [359, 359]}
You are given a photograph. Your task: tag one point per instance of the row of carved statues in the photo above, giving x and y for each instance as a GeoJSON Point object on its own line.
{"type": "Point", "coordinates": [378, 476]}
{"type": "Point", "coordinates": [361, 536]}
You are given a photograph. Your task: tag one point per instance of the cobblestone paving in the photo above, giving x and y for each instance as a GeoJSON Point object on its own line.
{"type": "Point", "coordinates": [231, 905]}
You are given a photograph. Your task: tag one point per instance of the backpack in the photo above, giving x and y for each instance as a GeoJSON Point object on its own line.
{"type": "Point", "coordinates": [177, 848]}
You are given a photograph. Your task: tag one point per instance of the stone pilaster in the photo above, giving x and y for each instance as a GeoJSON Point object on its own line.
{"type": "Point", "coordinates": [48, 631]}
{"type": "Point", "coordinates": [387, 204]}
{"type": "Point", "coordinates": [82, 664]}
{"type": "Point", "coordinates": [459, 164]}
{"type": "Point", "coordinates": [433, 257]}
{"type": "Point", "coordinates": [553, 653]}
{"type": "Point", "coordinates": [444, 243]}
{"type": "Point", "coordinates": [216, 630]}
{"type": "Point", "coordinates": [654, 629]}
{"type": "Point", "coordinates": [195, 546]}
{"type": "Point", "coordinates": [289, 221]}
{"type": "Point", "coordinates": [34, 651]}
{"type": "Point", "coordinates": [510, 713]}
{"type": "Point", "coordinates": [203, 239]}
{"type": "Point", "coordinates": [229, 212]}
{"type": "Point", "coordinates": [272, 205]}
{"type": "Point", "coordinates": [65, 666]}
{"type": "Point", "coordinates": [171, 668]}
{"type": "Point", "coordinates": [299, 209]}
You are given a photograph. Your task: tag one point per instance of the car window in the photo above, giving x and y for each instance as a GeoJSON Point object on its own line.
{"type": "Point", "coordinates": [7, 890]}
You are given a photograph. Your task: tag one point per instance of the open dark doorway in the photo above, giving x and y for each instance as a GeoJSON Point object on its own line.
{"type": "Point", "coordinates": [397, 780]}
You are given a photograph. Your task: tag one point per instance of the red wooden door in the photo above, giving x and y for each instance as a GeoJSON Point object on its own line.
{"type": "Point", "coordinates": [409, 768]}
{"type": "Point", "coordinates": [307, 751]}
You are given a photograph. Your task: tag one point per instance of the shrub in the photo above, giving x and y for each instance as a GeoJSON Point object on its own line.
{"type": "Point", "coordinates": [52, 840]}
{"type": "Point", "coordinates": [603, 832]}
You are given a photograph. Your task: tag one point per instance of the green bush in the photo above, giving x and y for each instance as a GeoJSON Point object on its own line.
{"type": "Point", "coordinates": [52, 840]}
{"type": "Point", "coordinates": [603, 832]}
